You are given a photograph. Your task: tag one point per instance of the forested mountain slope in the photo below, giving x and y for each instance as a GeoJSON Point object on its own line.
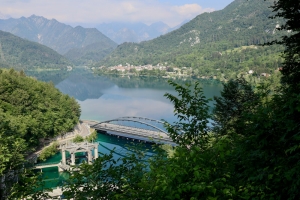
{"type": "Point", "coordinates": [23, 54]}
{"type": "Point", "coordinates": [89, 54]}
{"type": "Point", "coordinates": [30, 110]}
{"type": "Point", "coordinates": [212, 43]}
{"type": "Point", "coordinates": [59, 36]}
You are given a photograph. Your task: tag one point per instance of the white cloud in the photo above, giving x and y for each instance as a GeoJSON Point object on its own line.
{"type": "Point", "coordinates": [98, 11]}
{"type": "Point", "coordinates": [190, 10]}
{"type": "Point", "coordinates": [3, 16]}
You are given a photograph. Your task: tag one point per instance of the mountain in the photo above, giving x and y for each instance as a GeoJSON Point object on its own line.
{"type": "Point", "coordinates": [132, 32]}
{"type": "Point", "coordinates": [23, 54]}
{"type": "Point", "coordinates": [58, 36]}
{"type": "Point", "coordinates": [216, 43]}
{"type": "Point", "coordinates": [89, 54]}
{"type": "Point", "coordinates": [178, 26]}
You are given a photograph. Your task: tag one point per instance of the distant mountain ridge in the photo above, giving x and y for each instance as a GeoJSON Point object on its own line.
{"type": "Point", "coordinates": [134, 32]}
{"type": "Point", "coordinates": [58, 36]}
{"type": "Point", "coordinates": [210, 41]}
{"type": "Point", "coordinates": [26, 55]}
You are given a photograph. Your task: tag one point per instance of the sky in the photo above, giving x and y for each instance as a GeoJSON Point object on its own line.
{"type": "Point", "coordinates": [171, 12]}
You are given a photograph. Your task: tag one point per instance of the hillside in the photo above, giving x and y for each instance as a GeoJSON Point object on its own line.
{"type": "Point", "coordinates": [30, 110]}
{"type": "Point", "coordinates": [56, 35]}
{"type": "Point", "coordinates": [23, 54]}
{"type": "Point", "coordinates": [89, 54]}
{"type": "Point", "coordinates": [220, 43]}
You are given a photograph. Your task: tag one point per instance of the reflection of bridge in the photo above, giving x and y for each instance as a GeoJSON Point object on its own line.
{"type": "Point", "coordinates": [136, 128]}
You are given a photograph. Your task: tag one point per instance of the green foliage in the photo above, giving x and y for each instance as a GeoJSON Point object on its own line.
{"type": "Point", "coordinates": [237, 98]}
{"type": "Point", "coordinates": [23, 54]}
{"type": "Point", "coordinates": [78, 138]}
{"type": "Point", "coordinates": [28, 186]}
{"type": "Point", "coordinates": [93, 136]}
{"type": "Point", "coordinates": [107, 179]}
{"type": "Point", "coordinates": [49, 151]}
{"type": "Point", "coordinates": [289, 10]}
{"type": "Point", "coordinates": [31, 110]}
{"type": "Point", "coordinates": [222, 43]}
{"type": "Point", "coordinates": [91, 53]}
{"type": "Point", "coordinates": [191, 109]}
{"type": "Point", "coordinates": [252, 154]}
{"type": "Point", "coordinates": [196, 168]}
{"type": "Point", "coordinates": [80, 45]}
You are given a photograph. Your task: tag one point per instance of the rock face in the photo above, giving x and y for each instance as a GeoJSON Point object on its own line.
{"type": "Point", "coordinates": [54, 34]}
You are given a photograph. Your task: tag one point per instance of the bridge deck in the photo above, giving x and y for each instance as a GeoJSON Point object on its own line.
{"type": "Point", "coordinates": [132, 132]}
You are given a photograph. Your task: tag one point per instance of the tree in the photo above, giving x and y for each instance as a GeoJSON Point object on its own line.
{"type": "Point", "coordinates": [192, 110]}
{"type": "Point", "coordinates": [261, 161]}
{"type": "Point", "coordinates": [289, 10]}
{"type": "Point", "coordinates": [30, 110]}
{"type": "Point", "coordinates": [237, 98]}
{"type": "Point", "coordinates": [196, 170]}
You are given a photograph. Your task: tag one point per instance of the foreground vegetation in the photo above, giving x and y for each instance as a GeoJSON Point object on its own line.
{"type": "Point", "coordinates": [30, 110]}
{"type": "Point", "coordinates": [49, 151]}
{"type": "Point", "coordinates": [252, 152]}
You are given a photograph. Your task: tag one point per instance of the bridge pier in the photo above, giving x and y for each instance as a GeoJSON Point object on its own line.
{"type": "Point", "coordinates": [72, 158]}
{"type": "Point", "coordinates": [96, 153]}
{"type": "Point", "coordinates": [60, 169]}
{"type": "Point", "coordinates": [90, 159]}
{"type": "Point", "coordinates": [63, 156]}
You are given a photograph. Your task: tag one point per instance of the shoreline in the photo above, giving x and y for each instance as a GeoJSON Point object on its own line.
{"type": "Point", "coordinates": [82, 129]}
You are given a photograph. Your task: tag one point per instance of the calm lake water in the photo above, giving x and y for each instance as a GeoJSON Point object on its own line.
{"type": "Point", "coordinates": [103, 98]}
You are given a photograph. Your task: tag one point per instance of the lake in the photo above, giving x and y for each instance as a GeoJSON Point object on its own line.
{"type": "Point", "coordinates": [108, 97]}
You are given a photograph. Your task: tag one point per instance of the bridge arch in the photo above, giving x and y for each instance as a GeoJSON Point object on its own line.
{"type": "Point", "coordinates": [136, 120]}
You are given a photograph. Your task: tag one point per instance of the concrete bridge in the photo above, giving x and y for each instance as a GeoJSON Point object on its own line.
{"type": "Point", "coordinates": [135, 128]}
{"type": "Point", "coordinates": [139, 129]}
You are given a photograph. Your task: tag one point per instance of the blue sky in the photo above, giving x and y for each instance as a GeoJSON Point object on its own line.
{"type": "Point", "coordinates": [172, 12]}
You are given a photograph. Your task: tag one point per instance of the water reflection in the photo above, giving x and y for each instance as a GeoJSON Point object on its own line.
{"type": "Point", "coordinates": [114, 105]}
{"type": "Point", "coordinates": [104, 98]}
{"type": "Point", "coordinates": [83, 85]}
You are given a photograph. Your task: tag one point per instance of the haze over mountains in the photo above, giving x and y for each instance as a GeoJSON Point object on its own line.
{"type": "Point", "coordinates": [60, 37]}
{"type": "Point", "coordinates": [81, 45]}
{"type": "Point", "coordinates": [209, 42]}
{"type": "Point", "coordinates": [135, 32]}
{"type": "Point", "coordinates": [213, 43]}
